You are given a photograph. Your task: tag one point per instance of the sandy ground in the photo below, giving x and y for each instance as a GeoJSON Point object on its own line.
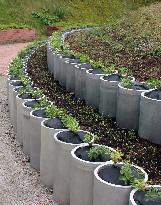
{"type": "Point", "coordinates": [19, 183]}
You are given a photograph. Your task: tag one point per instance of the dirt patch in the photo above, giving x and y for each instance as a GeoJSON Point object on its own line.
{"type": "Point", "coordinates": [17, 35]}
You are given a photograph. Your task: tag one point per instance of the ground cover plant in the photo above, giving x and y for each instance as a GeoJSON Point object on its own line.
{"type": "Point", "coordinates": [136, 150]}
{"type": "Point", "coordinates": [77, 12]}
{"type": "Point", "coordinates": [133, 42]}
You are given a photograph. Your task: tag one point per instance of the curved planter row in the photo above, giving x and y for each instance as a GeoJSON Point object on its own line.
{"type": "Point", "coordinates": [130, 107]}
{"type": "Point", "coordinates": [74, 180]}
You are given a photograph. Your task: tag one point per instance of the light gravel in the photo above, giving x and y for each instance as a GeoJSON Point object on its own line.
{"type": "Point", "coordinates": [19, 183]}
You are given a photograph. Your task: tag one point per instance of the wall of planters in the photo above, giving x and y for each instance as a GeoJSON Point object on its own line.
{"type": "Point", "coordinates": [61, 155]}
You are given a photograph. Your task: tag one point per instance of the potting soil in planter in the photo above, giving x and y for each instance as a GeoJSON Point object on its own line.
{"type": "Point", "coordinates": [140, 199]}
{"type": "Point", "coordinates": [154, 94]}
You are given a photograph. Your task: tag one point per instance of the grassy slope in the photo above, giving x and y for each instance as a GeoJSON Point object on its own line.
{"type": "Point", "coordinates": [82, 12]}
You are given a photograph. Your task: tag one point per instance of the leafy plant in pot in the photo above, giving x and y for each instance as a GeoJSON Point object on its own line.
{"type": "Point", "coordinates": [93, 82]}
{"type": "Point", "coordinates": [36, 117]}
{"type": "Point", "coordinates": [85, 158]}
{"type": "Point", "coordinates": [150, 112]}
{"type": "Point", "coordinates": [48, 129]}
{"type": "Point", "coordinates": [65, 141]}
{"type": "Point", "coordinates": [128, 103]}
{"type": "Point", "coordinates": [108, 91]}
{"type": "Point", "coordinates": [145, 194]}
{"type": "Point", "coordinates": [113, 181]}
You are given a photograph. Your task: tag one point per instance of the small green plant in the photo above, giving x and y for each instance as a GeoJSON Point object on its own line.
{"type": "Point", "coordinates": [71, 123]}
{"type": "Point", "coordinates": [26, 89]}
{"type": "Point", "coordinates": [56, 41]}
{"type": "Point", "coordinates": [126, 173]}
{"type": "Point", "coordinates": [96, 64]}
{"type": "Point", "coordinates": [151, 193]}
{"type": "Point", "coordinates": [109, 70]}
{"type": "Point", "coordinates": [116, 156]}
{"type": "Point", "coordinates": [25, 80]}
{"type": "Point", "coordinates": [16, 68]}
{"type": "Point", "coordinates": [52, 111]}
{"type": "Point", "coordinates": [154, 83]}
{"type": "Point", "coordinates": [36, 93]}
{"type": "Point", "coordinates": [124, 71]}
{"type": "Point", "coordinates": [127, 83]}
{"type": "Point", "coordinates": [97, 151]}
{"type": "Point", "coordinates": [84, 58]}
{"type": "Point", "coordinates": [42, 103]}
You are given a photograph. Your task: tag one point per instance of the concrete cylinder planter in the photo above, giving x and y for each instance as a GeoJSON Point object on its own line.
{"type": "Point", "coordinates": [108, 94]}
{"type": "Point", "coordinates": [19, 100]}
{"type": "Point", "coordinates": [56, 61]}
{"type": "Point", "coordinates": [62, 67]}
{"type": "Point", "coordinates": [27, 107]}
{"type": "Point", "coordinates": [13, 91]}
{"type": "Point", "coordinates": [50, 58]}
{"type": "Point", "coordinates": [80, 80]}
{"type": "Point", "coordinates": [93, 87]}
{"type": "Point", "coordinates": [82, 177]}
{"type": "Point", "coordinates": [150, 117]}
{"type": "Point", "coordinates": [63, 165]}
{"type": "Point", "coordinates": [137, 196]}
{"type": "Point", "coordinates": [36, 117]}
{"type": "Point", "coordinates": [70, 74]}
{"type": "Point", "coordinates": [47, 156]}
{"type": "Point", "coordinates": [107, 191]}
{"type": "Point", "coordinates": [128, 107]}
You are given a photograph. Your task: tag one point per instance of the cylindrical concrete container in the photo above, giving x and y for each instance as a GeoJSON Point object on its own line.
{"type": "Point", "coordinates": [12, 103]}
{"type": "Point", "coordinates": [150, 119]}
{"type": "Point", "coordinates": [49, 57]}
{"type": "Point", "coordinates": [80, 80]}
{"type": "Point", "coordinates": [63, 169]}
{"type": "Point", "coordinates": [47, 156]}
{"type": "Point", "coordinates": [19, 102]}
{"type": "Point", "coordinates": [108, 97]}
{"type": "Point", "coordinates": [63, 71]}
{"type": "Point", "coordinates": [26, 129]}
{"type": "Point", "coordinates": [35, 140]}
{"type": "Point", "coordinates": [134, 191]}
{"type": "Point", "coordinates": [92, 89]}
{"type": "Point", "coordinates": [57, 66]}
{"type": "Point", "coordinates": [128, 108]}
{"type": "Point", "coordinates": [81, 186]}
{"type": "Point", "coordinates": [70, 74]}
{"type": "Point", "coordinates": [112, 193]}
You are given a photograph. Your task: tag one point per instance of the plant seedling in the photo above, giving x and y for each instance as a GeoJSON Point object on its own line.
{"type": "Point", "coordinates": [109, 70]}
{"type": "Point", "coordinates": [52, 111]}
{"type": "Point", "coordinates": [71, 123]}
{"type": "Point", "coordinates": [154, 83]}
{"type": "Point", "coordinates": [16, 68]}
{"type": "Point", "coordinates": [125, 71]}
{"type": "Point", "coordinates": [36, 93]}
{"type": "Point", "coordinates": [97, 151]}
{"type": "Point", "coordinates": [43, 103]}
{"type": "Point", "coordinates": [127, 83]}
{"type": "Point", "coordinates": [116, 156]}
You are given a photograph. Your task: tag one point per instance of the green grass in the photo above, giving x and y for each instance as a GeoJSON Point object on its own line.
{"type": "Point", "coordinates": [77, 12]}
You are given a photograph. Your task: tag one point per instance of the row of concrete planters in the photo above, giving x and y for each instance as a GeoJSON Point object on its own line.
{"type": "Point", "coordinates": [63, 169]}
{"type": "Point", "coordinates": [150, 119]}
{"type": "Point", "coordinates": [105, 191]}
{"type": "Point", "coordinates": [47, 156]}
{"type": "Point", "coordinates": [81, 185]}
{"type": "Point", "coordinates": [92, 97]}
{"type": "Point", "coordinates": [128, 108]}
{"type": "Point", "coordinates": [137, 196]}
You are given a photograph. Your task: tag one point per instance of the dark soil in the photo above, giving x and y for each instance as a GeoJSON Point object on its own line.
{"type": "Point", "coordinates": [82, 153]}
{"type": "Point", "coordinates": [71, 137]}
{"type": "Point", "coordinates": [96, 71]}
{"type": "Point", "coordinates": [74, 61]}
{"type": "Point", "coordinates": [112, 175]}
{"type": "Point", "coordinates": [31, 103]}
{"type": "Point", "coordinates": [155, 94]}
{"type": "Point", "coordinates": [40, 113]}
{"type": "Point", "coordinates": [54, 123]}
{"type": "Point", "coordinates": [140, 199]}
{"type": "Point", "coordinates": [138, 151]}
{"type": "Point", "coordinates": [139, 86]}
{"type": "Point", "coordinates": [113, 77]}
{"type": "Point", "coordinates": [25, 96]}
{"type": "Point", "coordinates": [85, 66]}
{"type": "Point", "coordinates": [17, 83]}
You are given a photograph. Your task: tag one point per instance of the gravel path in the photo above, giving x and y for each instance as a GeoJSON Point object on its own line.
{"type": "Point", "coordinates": [19, 183]}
